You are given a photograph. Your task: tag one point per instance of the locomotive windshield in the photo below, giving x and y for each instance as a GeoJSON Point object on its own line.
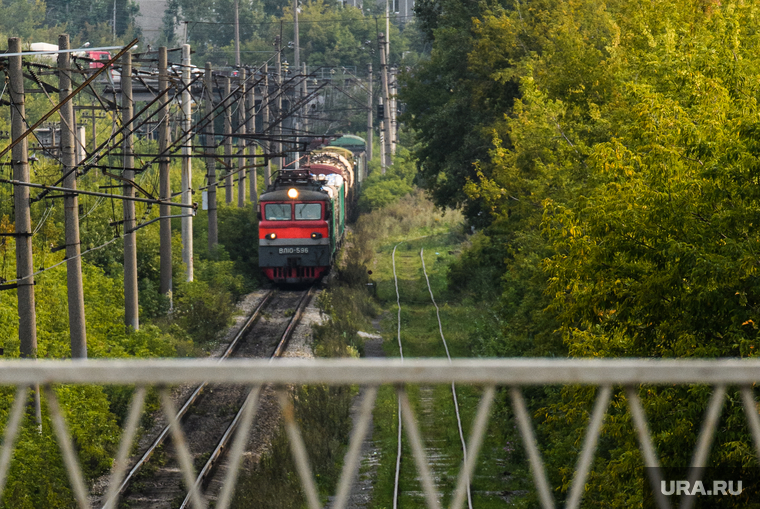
{"type": "Point", "coordinates": [277, 211]}
{"type": "Point", "coordinates": [308, 211]}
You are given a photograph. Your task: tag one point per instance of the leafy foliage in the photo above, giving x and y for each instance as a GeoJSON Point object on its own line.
{"type": "Point", "coordinates": [616, 202]}
{"type": "Point", "coordinates": [380, 190]}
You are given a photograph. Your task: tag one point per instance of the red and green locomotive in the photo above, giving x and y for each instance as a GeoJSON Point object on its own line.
{"type": "Point", "coordinates": [303, 215]}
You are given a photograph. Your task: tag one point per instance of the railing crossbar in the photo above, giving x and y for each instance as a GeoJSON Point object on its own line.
{"type": "Point", "coordinates": [490, 373]}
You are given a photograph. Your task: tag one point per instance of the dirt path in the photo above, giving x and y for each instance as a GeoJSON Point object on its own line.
{"type": "Point", "coordinates": [361, 491]}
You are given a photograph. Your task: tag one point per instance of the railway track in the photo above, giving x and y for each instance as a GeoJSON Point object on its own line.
{"type": "Point", "coordinates": [404, 414]}
{"type": "Point", "coordinates": [209, 419]}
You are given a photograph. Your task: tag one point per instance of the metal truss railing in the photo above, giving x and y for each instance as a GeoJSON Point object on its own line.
{"type": "Point", "coordinates": [488, 373]}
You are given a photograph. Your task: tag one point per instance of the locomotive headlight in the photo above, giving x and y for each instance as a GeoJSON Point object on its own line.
{"type": "Point", "coordinates": [293, 193]}
{"type": "Point", "coordinates": [270, 236]}
{"type": "Point", "coordinates": [316, 235]}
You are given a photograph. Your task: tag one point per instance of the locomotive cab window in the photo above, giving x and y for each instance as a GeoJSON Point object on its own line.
{"type": "Point", "coordinates": [278, 211]}
{"type": "Point", "coordinates": [308, 211]}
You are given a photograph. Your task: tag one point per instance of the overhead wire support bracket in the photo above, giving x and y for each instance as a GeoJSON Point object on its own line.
{"type": "Point", "coordinates": [154, 220]}
{"type": "Point", "coordinates": [69, 191]}
{"type": "Point", "coordinates": [50, 113]}
{"type": "Point", "coordinates": [97, 152]}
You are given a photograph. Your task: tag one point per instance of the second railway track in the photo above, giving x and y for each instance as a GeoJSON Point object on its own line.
{"type": "Point", "coordinates": [208, 417]}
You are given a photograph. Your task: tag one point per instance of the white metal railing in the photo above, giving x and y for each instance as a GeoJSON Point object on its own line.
{"type": "Point", "coordinates": [489, 373]}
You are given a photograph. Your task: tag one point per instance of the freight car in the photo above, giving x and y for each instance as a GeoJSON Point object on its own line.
{"type": "Point", "coordinates": [303, 213]}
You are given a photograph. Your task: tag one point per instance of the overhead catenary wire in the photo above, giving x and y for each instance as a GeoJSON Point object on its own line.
{"type": "Point", "coordinates": [99, 153]}
{"type": "Point", "coordinates": [300, 21]}
{"type": "Point", "coordinates": [96, 248]}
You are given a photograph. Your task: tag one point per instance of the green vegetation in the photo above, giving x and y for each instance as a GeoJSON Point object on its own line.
{"type": "Point", "coordinates": [411, 224]}
{"type": "Point", "coordinates": [381, 190]}
{"type": "Point", "coordinates": [201, 310]}
{"type": "Point", "coordinates": [322, 412]}
{"type": "Point", "coordinates": [331, 33]}
{"type": "Point", "coordinates": [91, 21]}
{"type": "Point", "coordinates": [605, 153]}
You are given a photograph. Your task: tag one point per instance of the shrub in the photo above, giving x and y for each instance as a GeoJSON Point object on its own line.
{"type": "Point", "coordinates": [202, 310]}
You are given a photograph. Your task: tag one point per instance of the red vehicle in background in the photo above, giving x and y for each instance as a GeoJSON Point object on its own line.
{"type": "Point", "coordinates": [98, 57]}
{"type": "Point", "coordinates": [49, 53]}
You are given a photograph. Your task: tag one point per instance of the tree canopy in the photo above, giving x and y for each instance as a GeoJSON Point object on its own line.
{"type": "Point", "coordinates": [607, 151]}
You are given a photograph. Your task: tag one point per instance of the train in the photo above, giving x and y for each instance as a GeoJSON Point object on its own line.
{"type": "Point", "coordinates": [303, 213]}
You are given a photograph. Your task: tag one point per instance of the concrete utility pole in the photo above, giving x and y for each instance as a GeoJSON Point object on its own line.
{"type": "Point", "coordinates": [213, 234]}
{"type": "Point", "coordinates": [388, 30]}
{"type": "Point", "coordinates": [266, 145]}
{"type": "Point", "coordinates": [250, 122]}
{"type": "Point", "coordinates": [278, 115]}
{"type": "Point", "coordinates": [390, 103]}
{"type": "Point", "coordinates": [383, 159]}
{"type": "Point", "coordinates": [131, 307]}
{"type": "Point", "coordinates": [77, 326]}
{"type": "Point", "coordinates": [370, 114]}
{"type": "Point", "coordinates": [241, 144]}
{"type": "Point", "coordinates": [305, 108]}
{"type": "Point", "coordinates": [386, 101]}
{"type": "Point", "coordinates": [165, 191]}
{"type": "Point", "coordinates": [393, 111]}
{"type": "Point", "coordinates": [296, 68]}
{"type": "Point", "coordinates": [187, 168]}
{"type": "Point", "coordinates": [27, 315]}
{"type": "Point", "coordinates": [227, 143]}
{"type": "Point", "coordinates": [296, 41]}
{"type": "Point", "coordinates": [237, 33]}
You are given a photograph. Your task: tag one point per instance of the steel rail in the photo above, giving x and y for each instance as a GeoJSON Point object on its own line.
{"type": "Point", "coordinates": [453, 386]}
{"type": "Point", "coordinates": [208, 468]}
{"type": "Point", "coordinates": [401, 354]}
{"type": "Point", "coordinates": [194, 396]}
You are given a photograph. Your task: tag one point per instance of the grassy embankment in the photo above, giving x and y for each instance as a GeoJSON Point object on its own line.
{"type": "Point", "coordinates": [413, 224]}
{"type": "Point", "coordinates": [323, 413]}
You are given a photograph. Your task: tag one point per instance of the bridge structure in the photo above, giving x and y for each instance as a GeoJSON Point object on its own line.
{"type": "Point", "coordinates": [507, 375]}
